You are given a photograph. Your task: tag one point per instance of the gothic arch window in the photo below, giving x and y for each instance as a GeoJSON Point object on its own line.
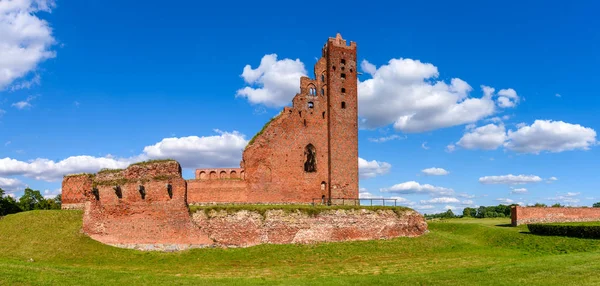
{"type": "Point", "coordinates": [322, 78]}
{"type": "Point", "coordinates": [310, 154]}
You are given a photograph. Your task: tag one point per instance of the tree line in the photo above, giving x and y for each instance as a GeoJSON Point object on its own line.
{"type": "Point", "coordinates": [498, 211]}
{"type": "Point", "coordinates": [31, 200]}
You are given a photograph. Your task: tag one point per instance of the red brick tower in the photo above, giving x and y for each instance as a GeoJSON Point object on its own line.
{"type": "Point", "coordinates": [309, 151]}
{"type": "Point", "coordinates": [343, 117]}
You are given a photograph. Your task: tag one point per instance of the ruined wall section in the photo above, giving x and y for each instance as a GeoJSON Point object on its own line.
{"type": "Point", "coordinates": [248, 228]}
{"type": "Point", "coordinates": [526, 215]}
{"type": "Point", "coordinates": [275, 162]}
{"type": "Point", "coordinates": [220, 174]}
{"type": "Point", "coordinates": [343, 117]}
{"type": "Point", "coordinates": [143, 206]}
{"type": "Point", "coordinates": [74, 188]}
{"type": "Point", "coordinates": [218, 191]}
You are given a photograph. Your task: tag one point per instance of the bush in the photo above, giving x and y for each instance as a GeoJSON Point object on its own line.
{"type": "Point", "coordinates": [571, 230]}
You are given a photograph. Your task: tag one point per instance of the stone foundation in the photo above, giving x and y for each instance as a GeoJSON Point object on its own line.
{"type": "Point", "coordinates": [248, 228]}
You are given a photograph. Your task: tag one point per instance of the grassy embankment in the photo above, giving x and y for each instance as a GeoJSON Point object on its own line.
{"type": "Point", "coordinates": [455, 252]}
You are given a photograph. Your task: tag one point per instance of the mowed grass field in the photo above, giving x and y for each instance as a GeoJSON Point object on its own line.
{"type": "Point", "coordinates": [47, 248]}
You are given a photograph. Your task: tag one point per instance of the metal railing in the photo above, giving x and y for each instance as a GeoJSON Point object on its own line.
{"type": "Point", "coordinates": [354, 202]}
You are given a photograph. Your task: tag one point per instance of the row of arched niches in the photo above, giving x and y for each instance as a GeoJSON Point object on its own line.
{"type": "Point", "coordinates": [220, 174]}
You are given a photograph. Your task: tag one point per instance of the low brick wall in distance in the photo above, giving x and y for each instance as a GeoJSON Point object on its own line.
{"type": "Point", "coordinates": [526, 215]}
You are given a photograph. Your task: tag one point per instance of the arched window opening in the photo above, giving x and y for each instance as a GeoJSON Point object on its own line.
{"type": "Point", "coordinates": [343, 90]}
{"type": "Point", "coordinates": [310, 165]}
{"type": "Point", "coordinates": [343, 75]}
{"type": "Point", "coordinates": [343, 105]}
{"type": "Point", "coordinates": [343, 61]}
{"type": "Point", "coordinates": [323, 185]}
{"type": "Point", "coordinates": [322, 91]}
{"type": "Point", "coordinates": [300, 113]}
{"type": "Point", "coordinates": [334, 68]}
{"type": "Point", "coordinates": [304, 122]}
{"type": "Point", "coordinates": [343, 68]}
{"type": "Point", "coordinates": [311, 104]}
{"type": "Point", "coordinates": [322, 78]}
{"type": "Point", "coordinates": [323, 114]}
{"type": "Point", "coordinates": [350, 70]}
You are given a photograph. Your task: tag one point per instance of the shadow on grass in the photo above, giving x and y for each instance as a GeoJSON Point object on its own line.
{"type": "Point", "coordinates": [505, 225]}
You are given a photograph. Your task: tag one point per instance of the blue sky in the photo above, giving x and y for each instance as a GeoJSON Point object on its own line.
{"type": "Point", "coordinates": [91, 84]}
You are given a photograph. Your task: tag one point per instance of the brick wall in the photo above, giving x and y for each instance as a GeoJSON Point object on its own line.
{"type": "Point", "coordinates": [217, 191]}
{"type": "Point", "coordinates": [321, 124]}
{"type": "Point", "coordinates": [322, 121]}
{"type": "Point", "coordinates": [143, 204]}
{"type": "Point", "coordinates": [525, 215]}
{"type": "Point", "coordinates": [74, 188]}
{"type": "Point", "coordinates": [247, 228]}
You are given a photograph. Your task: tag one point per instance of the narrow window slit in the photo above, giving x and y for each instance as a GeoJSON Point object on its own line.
{"type": "Point", "coordinates": [142, 192]}
{"type": "Point", "coordinates": [96, 193]}
{"type": "Point", "coordinates": [118, 192]}
{"type": "Point", "coordinates": [170, 190]}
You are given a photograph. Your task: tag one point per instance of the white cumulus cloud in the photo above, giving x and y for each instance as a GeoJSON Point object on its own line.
{"type": "Point", "coordinates": [551, 136]}
{"type": "Point", "coordinates": [221, 150]}
{"type": "Point", "coordinates": [505, 201]}
{"type": "Point", "coordinates": [435, 172]}
{"type": "Point", "coordinates": [488, 137]}
{"type": "Point", "coordinates": [518, 191]}
{"type": "Point", "coordinates": [413, 187]}
{"type": "Point", "coordinates": [441, 200]}
{"type": "Point", "coordinates": [405, 92]}
{"type": "Point", "coordinates": [387, 138]}
{"type": "Point", "coordinates": [26, 39]}
{"type": "Point", "coordinates": [10, 184]}
{"type": "Point", "coordinates": [274, 82]}
{"type": "Point", "coordinates": [510, 179]}
{"type": "Point", "coordinates": [370, 169]}
{"type": "Point", "coordinates": [508, 98]}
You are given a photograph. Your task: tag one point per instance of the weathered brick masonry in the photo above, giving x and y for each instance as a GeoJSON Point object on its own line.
{"type": "Point", "coordinates": [524, 215]}
{"type": "Point", "coordinates": [143, 204]}
{"type": "Point", "coordinates": [309, 151]}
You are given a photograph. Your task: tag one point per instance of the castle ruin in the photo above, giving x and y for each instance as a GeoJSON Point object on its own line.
{"type": "Point", "coordinates": [309, 151]}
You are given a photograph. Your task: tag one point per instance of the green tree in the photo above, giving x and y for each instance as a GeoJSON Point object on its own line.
{"type": "Point", "coordinates": [596, 205]}
{"type": "Point", "coordinates": [540, 205]}
{"type": "Point", "coordinates": [557, 205]}
{"type": "Point", "coordinates": [448, 214]}
{"type": "Point", "coordinates": [8, 205]}
{"type": "Point", "coordinates": [469, 212]}
{"type": "Point", "coordinates": [32, 200]}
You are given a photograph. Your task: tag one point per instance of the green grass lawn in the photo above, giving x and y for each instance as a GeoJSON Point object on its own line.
{"type": "Point", "coordinates": [455, 252]}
